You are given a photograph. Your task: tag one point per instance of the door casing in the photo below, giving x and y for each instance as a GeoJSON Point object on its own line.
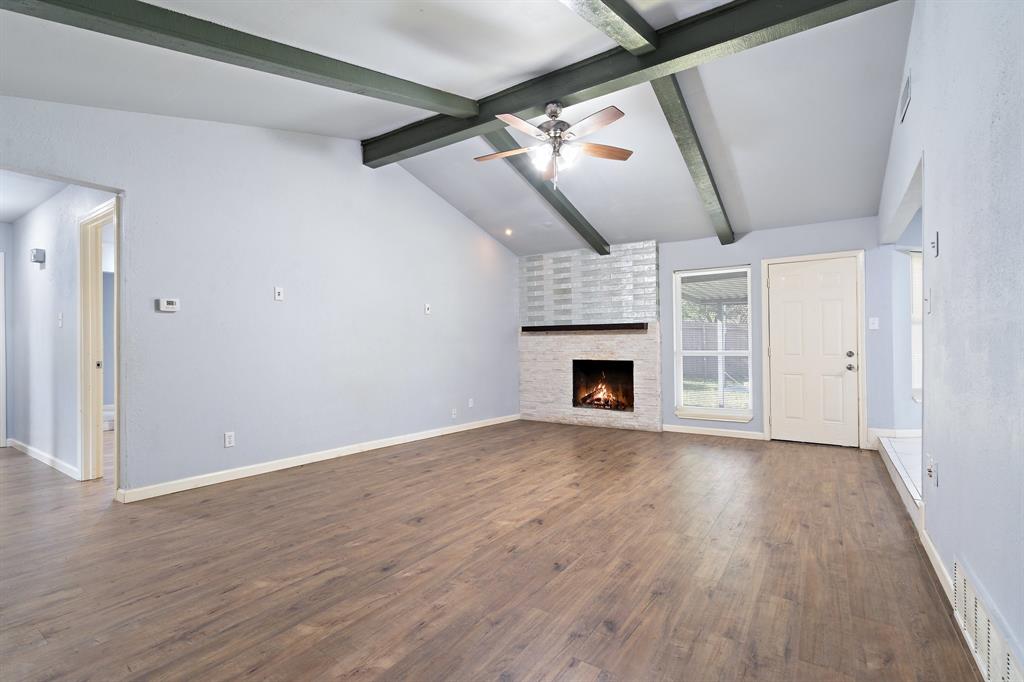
{"type": "Point", "coordinates": [91, 344]}
{"type": "Point", "coordinates": [766, 398]}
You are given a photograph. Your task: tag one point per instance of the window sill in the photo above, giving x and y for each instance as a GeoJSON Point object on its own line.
{"type": "Point", "coordinates": [715, 415]}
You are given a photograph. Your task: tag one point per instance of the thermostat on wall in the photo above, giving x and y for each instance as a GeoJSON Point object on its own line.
{"type": "Point", "coordinates": [167, 305]}
{"type": "Point", "coordinates": [37, 256]}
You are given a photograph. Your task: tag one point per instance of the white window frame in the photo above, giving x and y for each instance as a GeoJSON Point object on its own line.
{"type": "Point", "coordinates": [716, 414]}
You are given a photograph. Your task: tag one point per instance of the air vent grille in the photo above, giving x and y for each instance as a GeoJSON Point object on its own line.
{"type": "Point", "coordinates": [991, 652]}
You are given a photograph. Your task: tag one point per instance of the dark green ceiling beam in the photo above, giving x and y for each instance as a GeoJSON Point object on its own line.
{"type": "Point", "coordinates": [152, 25]}
{"type": "Point", "coordinates": [723, 31]}
{"type": "Point", "coordinates": [619, 21]}
{"type": "Point", "coordinates": [666, 89]}
{"type": "Point", "coordinates": [501, 141]}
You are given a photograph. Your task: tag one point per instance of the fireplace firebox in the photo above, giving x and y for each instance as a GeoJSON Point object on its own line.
{"type": "Point", "coordinates": [603, 384]}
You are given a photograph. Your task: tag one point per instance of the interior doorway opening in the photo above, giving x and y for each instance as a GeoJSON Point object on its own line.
{"type": "Point", "coordinates": [59, 241]}
{"type": "Point", "coordinates": [904, 444]}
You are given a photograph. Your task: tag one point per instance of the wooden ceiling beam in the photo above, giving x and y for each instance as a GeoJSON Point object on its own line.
{"type": "Point", "coordinates": [670, 97]}
{"type": "Point", "coordinates": [144, 23]}
{"type": "Point", "coordinates": [619, 21]}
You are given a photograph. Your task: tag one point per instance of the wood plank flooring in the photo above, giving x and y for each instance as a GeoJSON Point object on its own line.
{"type": "Point", "coordinates": [523, 551]}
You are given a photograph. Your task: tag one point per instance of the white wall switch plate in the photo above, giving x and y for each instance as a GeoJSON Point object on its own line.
{"type": "Point", "coordinates": [60, 320]}
{"type": "Point", "coordinates": [470, 403]}
{"type": "Point", "coordinates": [168, 305]}
{"type": "Point", "coordinates": [873, 323]}
{"type": "Point", "coordinates": [229, 439]}
{"type": "Point", "coordinates": [278, 293]}
{"type": "Point", "coordinates": [426, 308]}
{"type": "Point", "coordinates": [455, 413]}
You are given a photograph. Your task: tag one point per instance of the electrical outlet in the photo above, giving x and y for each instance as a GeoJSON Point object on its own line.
{"type": "Point", "coordinates": [426, 308]}
{"type": "Point", "coordinates": [229, 439]}
{"type": "Point", "coordinates": [278, 293]}
{"type": "Point", "coordinates": [60, 320]}
{"type": "Point", "coordinates": [470, 403]}
{"type": "Point", "coordinates": [455, 413]}
{"type": "Point", "coordinates": [931, 469]}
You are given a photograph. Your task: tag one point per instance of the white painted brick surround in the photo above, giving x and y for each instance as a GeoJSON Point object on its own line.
{"type": "Point", "coordinates": [545, 376]}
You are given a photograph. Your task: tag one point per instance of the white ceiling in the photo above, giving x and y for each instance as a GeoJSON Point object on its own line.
{"type": "Point", "coordinates": [19, 194]}
{"type": "Point", "coordinates": [796, 131]}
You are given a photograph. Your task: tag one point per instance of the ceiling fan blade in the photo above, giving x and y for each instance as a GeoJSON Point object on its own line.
{"type": "Point", "coordinates": [550, 170]}
{"type": "Point", "coordinates": [524, 126]}
{"type": "Point", "coordinates": [594, 122]}
{"type": "Point", "coordinates": [604, 151]}
{"type": "Point", "coordinates": [501, 155]}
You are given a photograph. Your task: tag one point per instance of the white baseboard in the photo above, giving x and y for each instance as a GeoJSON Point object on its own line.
{"type": "Point", "coordinates": [146, 492]}
{"type": "Point", "coordinates": [875, 434]}
{"type": "Point", "coordinates": [727, 433]}
{"type": "Point", "coordinates": [940, 570]}
{"type": "Point", "coordinates": [46, 458]}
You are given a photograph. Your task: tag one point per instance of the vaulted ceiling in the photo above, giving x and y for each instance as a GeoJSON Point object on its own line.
{"type": "Point", "coordinates": [794, 131]}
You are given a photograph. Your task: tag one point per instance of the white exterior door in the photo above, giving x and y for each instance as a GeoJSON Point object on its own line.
{"type": "Point", "coordinates": [812, 351]}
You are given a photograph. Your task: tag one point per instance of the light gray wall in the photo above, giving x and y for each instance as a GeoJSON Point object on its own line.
{"type": "Point", "coordinates": [109, 375]}
{"type": "Point", "coordinates": [217, 215]}
{"type": "Point", "coordinates": [965, 121]}
{"type": "Point", "coordinates": [751, 249]}
{"type": "Point", "coordinates": [43, 372]}
{"type": "Point", "coordinates": [6, 236]}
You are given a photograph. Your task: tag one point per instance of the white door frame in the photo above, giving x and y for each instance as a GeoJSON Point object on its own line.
{"type": "Point", "coordinates": [862, 364]}
{"type": "Point", "coordinates": [91, 340]}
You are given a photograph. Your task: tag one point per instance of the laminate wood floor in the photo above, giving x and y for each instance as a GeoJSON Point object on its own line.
{"type": "Point", "coordinates": [524, 551]}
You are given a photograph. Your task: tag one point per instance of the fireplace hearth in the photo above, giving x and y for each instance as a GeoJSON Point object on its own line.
{"type": "Point", "coordinates": [603, 384]}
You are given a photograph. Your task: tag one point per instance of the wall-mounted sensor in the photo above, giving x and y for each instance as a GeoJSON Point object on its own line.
{"type": "Point", "coordinates": [37, 256]}
{"type": "Point", "coordinates": [167, 305]}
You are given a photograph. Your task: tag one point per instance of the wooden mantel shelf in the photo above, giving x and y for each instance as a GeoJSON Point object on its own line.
{"type": "Point", "coordinates": [612, 327]}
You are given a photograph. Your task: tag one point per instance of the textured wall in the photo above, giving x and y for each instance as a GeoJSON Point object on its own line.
{"type": "Point", "coordinates": [965, 121]}
{"type": "Point", "coordinates": [570, 287]}
{"type": "Point", "coordinates": [545, 376]}
{"type": "Point", "coordinates": [44, 368]}
{"type": "Point", "coordinates": [218, 215]}
{"type": "Point", "coordinates": [6, 235]}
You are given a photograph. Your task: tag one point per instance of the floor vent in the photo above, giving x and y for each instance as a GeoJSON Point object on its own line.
{"type": "Point", "coordinates": [990, 650]}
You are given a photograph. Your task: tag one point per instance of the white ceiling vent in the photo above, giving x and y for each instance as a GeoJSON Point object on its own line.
{"type": "Point", "coordinates": [990, 650]}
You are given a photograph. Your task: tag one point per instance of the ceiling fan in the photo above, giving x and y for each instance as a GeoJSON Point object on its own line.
{"type": "Point", "coordinates": [559, 148]}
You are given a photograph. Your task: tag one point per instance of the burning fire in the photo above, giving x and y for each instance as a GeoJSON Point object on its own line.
{"type": "Point", "coordinates": [603, 397]}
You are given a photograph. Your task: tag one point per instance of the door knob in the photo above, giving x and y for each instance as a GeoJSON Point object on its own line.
{"type": "Point", "coordinates": [849, 353]}
{"type": "Point", "coordinates": [850, 367]}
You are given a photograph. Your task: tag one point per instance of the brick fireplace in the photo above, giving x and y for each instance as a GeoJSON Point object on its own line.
{"type": "Point", "coordinates": [590, 348]}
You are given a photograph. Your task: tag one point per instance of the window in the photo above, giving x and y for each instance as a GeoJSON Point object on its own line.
{"type": "Point", "coordinates": [916, 324]}
{"type": "Point", "coordinates": [712, 344]}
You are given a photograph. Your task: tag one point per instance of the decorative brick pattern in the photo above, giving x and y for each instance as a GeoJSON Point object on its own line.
{"type": "Point", "coordinates": [545, 376]}
{"type": "Point", "coordinates": [573, 287]}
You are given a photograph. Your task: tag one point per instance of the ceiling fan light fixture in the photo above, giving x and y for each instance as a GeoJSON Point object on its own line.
{"type": "Point", "coordinates": [568, 155]}
{"type": "Point", "coordinates": [540, 156]}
